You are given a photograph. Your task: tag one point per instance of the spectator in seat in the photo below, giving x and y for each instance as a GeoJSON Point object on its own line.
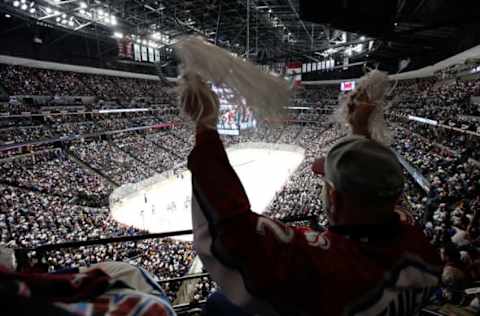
{"type": "Point", "coordinates": [368, 262]}
{"type": "Point", "coordinates": [107, 288]}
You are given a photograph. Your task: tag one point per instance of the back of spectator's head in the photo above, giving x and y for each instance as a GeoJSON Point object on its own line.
{"type": "Point", "coordinates": [364, 180]}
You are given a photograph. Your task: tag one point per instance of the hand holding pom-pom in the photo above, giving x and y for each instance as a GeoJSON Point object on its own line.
{"type": "Point", "coordinates": [359, 110]}
{"type": "Point", "coordinates": [363, 109]}
{"type": "Point", "coordinates": [199, 102]}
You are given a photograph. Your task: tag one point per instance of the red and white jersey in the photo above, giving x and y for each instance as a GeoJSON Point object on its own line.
{"type": "Point", "coordinates": [275, 269]}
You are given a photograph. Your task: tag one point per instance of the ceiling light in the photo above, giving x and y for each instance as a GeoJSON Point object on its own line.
{"type": "Point", "coordinates": [24, 7]}
{"type": "Point", "coordinates": [118, 35]}
{"type": "Point", "coordinates": [100, 12]}
{"type": "Point", "coordinates": [70, 23]}
{"type": "Point", "coordinates": [23, 1]}
{"type": "Point", "coordinates": [8, 16]}
{"type": "Point", "coordinates": [32, 10]}
{"type": "Point", "coordinates": [83, 5]}
{"type": "Point", "coordinates": [58, 19]}
{"type": "Point", "coordinates": [82, 11]}
{"type": "Point", "coordinates": [16, 3]}
{"type": "Point", "coordinates": [64, 16]}
{"type": "Point", "coordinates": [64, 21]}
{"type": "Point", "coordinates": [48, 10]}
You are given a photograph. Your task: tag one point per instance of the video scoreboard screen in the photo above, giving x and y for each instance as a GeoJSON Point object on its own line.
{"type": "Point", "coordinates": [234, 114]}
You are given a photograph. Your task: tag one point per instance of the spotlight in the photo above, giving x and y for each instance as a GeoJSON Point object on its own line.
{"type": "Point", "coordinates": [16, 3]}
{"type": "Point", "coordinates": [83, 5]}
{"type": "Point", "coordinates": [70, 23]}
{"type": "Point", "coordinates": [8, 16]}
{"type": "Point", "coordinates": [24, 7]}
{"type": "Point", "coordinates": [32, 10]}
{"type": "Point", "coordinates": [48, 10]}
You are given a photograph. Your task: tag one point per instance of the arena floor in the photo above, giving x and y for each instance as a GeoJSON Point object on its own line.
{"type": "Point", "coordinates": [167, 207]}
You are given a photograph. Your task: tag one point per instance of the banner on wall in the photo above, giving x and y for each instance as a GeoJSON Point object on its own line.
{"type": "Point", "coordinates": [136, 52]}
{"type": "Point", "coordinates": [144, 53]}
{"type": "Point", "coordinates": [294, 72]}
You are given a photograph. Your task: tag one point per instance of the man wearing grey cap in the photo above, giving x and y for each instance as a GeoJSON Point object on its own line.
{"type": "Point", "coordinates": [363, 181]}
{"type": "Point", "coordinates": [368, 261]}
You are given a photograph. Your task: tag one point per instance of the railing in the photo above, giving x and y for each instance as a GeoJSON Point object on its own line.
{"type": "Point", "coordinates": [104, 241]}
{"type": "Point", "coordinates": [181, 309]}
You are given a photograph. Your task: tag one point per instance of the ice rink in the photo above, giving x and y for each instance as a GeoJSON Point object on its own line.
{"type": "Point", "coordinates": [165, 206]}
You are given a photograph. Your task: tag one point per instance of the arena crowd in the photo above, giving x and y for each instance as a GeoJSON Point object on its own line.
{"type": "Point", "coordinates": [59, 191]}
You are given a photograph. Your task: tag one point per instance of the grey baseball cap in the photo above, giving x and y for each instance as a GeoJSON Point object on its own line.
{"type": "Point", "coordinates": [363, 166]}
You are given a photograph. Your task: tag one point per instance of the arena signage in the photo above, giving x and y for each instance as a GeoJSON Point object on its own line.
{"type": "Point", "coordinates": [124, 110]}
{"type": "Point", "coordinates": [422, 120]}
{"type": "Point", "coordinates": [231, 132]}
{"type": "Point", "coordinates": [347, 85]}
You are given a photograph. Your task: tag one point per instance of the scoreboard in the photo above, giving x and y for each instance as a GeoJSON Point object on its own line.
{"type": "Point", "coordinates": [234, 114]}
{"type": "Point", "coordinates": [347, 85]}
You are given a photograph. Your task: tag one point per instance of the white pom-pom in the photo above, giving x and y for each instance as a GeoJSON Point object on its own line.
{"type": "Point", "coordinates": [266, 94]}
{"type": "Point", "coordinates": [375, 85]}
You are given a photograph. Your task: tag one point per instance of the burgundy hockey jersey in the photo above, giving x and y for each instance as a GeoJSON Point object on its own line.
{"type": "Point", "coordinates": [275, 269]}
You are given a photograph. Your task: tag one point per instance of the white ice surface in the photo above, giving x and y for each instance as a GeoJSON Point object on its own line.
{"type": "Point", "coordinates": [262, 172]}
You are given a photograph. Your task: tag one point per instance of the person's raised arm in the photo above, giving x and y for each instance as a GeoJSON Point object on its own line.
{"type": "Point", "coordinates": [247, 254]}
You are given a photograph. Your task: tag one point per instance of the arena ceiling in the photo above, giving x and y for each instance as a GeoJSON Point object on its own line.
{"type": "Point", "coordinates": [270, 30]}
{"type": "Point", "coordinates": [380, 32]}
